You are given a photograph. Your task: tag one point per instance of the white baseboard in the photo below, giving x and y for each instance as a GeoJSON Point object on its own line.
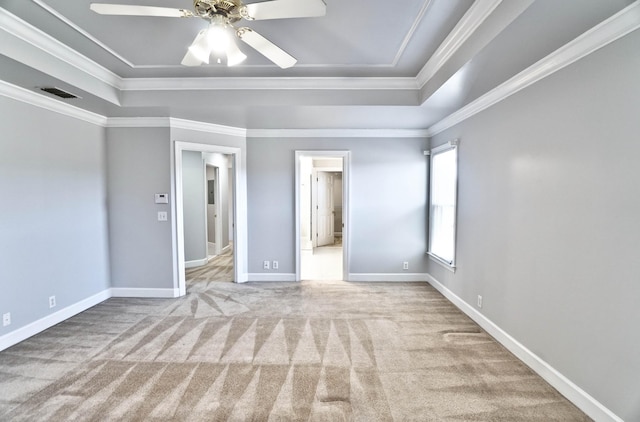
{"type": "Point", "coordinates": [392, 277]}
{"type": "Point", "coordinates": [226, 248]}
{"type": "Point", "coordinates": [196, 263]}
{"type": "Point", "coordinates": [273, 277]}
{"type": "Point", "coordinates": [589, 405]}
{"type": "Point", "coordinates": [144, 293]}
{"type": "Point", "coordinates": [49, 321]}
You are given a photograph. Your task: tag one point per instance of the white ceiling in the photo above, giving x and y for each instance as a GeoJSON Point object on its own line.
{"type": "Point", "coordinates": [367, 64]}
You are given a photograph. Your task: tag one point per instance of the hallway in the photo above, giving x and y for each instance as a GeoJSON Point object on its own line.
{"type": "Point", "coordinates": [322, 263]}
{"type": "Point", "coordinates": [219, 269]}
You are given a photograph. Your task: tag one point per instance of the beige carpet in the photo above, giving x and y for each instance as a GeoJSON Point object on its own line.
{"type": "Point", "coordinates": [220, 268]}
{"type": "Point", "coordinates": [327, 351]}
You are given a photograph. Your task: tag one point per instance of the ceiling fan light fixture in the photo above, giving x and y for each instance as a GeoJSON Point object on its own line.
{"type": "Point", "coordinates": [234, 55]}
{"type": "Point", "coordinates": [218, 38]}
{"type": "Point", "coordinates": [200, 48]}
{"type": "Point", "coordinates": [190, 60]}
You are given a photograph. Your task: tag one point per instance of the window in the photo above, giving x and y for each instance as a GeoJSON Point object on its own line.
{"type": "Point", "coordinates": [442, 203]}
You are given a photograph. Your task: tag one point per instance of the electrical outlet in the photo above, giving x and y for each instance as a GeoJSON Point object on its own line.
{"type": "Point", "coordinates": [162, 216]}
{"type": "Point", "coordinates": [274, 265]}
{"type": "Point", "coordinates": [479, 301]}
{"type": "Point", "coordinates": [405, 265]}
{"type": "Point", "coordinates": [52, 301]}
{"type": "Point", "coordinates": [265, 265]}
{"type": "Point", "coordinates": [6, 319]}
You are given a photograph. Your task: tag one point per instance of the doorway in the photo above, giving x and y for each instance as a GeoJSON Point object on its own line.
{"type": "Point", "coordinates": [233, 245]}
{"type": "Point", "coordinates": [322, 203]}
{"type": "Point", "coordinates": [216, 196]}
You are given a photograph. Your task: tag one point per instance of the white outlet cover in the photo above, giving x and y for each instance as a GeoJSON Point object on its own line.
{"type": "Point", "coordinates": [6, 319]}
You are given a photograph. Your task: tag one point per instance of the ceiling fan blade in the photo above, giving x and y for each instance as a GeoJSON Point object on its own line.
{"type": "Point", "coordinates": [266, 48]}
{"type": "Point", "coordinates": [132, 10]}
{"type": "Point", "coordinates": [280, 9]}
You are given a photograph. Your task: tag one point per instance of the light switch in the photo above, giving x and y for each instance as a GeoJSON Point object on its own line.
{"type": "Point", "coordinates": [162, 216]}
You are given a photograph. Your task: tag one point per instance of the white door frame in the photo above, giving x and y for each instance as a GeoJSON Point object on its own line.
{"type": "Point", "coordinates": [346, 177]}
{"type": "Point", "coordinates": [239, 198]}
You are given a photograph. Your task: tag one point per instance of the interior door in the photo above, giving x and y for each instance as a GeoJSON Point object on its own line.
{"type": "Point", "coordinates": [325, 209]}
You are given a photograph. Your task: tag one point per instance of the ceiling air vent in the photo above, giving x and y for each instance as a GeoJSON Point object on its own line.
{"type": "Point", "coordinates": [59, 93]}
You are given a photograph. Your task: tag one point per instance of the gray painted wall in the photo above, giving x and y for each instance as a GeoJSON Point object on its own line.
{"type": "Point", "coordinates": [194, 211]}
{"type": "Point", "coordinates": [53, 220]}
{"type": "Point", "coordinates": [139, 166]}
{"type": "Point", "coordinates": [548, 226]}
{"type": "Point", "coordinates": [388, 195]}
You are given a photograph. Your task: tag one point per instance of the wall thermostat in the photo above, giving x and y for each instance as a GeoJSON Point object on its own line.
{"type": "Point", "coordinates": [162, 198]}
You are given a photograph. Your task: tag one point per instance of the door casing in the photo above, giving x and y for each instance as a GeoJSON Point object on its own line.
{"type": "Point", "coordinates": [239, 198]}
{"type": "Point", "coordinates": [346, 178]}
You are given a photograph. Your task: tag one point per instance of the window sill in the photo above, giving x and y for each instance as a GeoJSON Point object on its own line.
{"type": "Point", "coordinates": [442, 262]}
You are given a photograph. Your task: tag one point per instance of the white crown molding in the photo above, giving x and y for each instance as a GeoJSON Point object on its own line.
{"type": "Point", "coordinates": [173, 123]}
{"type": "Point", "coordinates": [616, 27]}
{"type": "Point", "coordinates": [412, 30]}
{"type": "Point", "coordinates": [267, 83]}
{"type": "Point", "coordinates": [28, 33]}
{"type": "Point", "coordinates": [465, 28]}
{"type": "Point", "coordinates": [40, 100]}
{"type": "Point", "coordinates": [585, 402]}
{"type": "Point", "coordinates": [337, 133]}
{"type": "Point", "coordinates": [81, 31]}
{"type": "Point", "coordinates": [132, 122]}
{"type": "Point", "coordinates": [207, 127]}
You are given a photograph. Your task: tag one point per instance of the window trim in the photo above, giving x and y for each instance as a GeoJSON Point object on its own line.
{"type": "Point", "coordinates": [451, 145]}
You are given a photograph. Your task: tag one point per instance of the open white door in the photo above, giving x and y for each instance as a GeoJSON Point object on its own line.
{"type": "Point", "coordinates": [325, 209]}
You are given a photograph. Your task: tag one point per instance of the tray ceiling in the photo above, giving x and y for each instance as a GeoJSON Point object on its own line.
{"type": "Point", "coordinates": [367, 64]}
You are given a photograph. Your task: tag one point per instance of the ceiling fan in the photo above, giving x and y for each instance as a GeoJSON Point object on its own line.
{"type": "Point", "coordinates": [222, 16]}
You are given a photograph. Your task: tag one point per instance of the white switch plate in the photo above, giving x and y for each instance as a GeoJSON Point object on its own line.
{"type": "Point", "coordinates": [479, 301]}
{"type": "Point", "coordinates": [6, 319]}
{"type": "Point", "coordinates": [405, 265]}
{"type": "Point", "coordinates": [162, 216]}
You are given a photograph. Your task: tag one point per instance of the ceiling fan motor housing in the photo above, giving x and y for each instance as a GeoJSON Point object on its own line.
{"type": "Point", "coordinates": [228, 9]}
